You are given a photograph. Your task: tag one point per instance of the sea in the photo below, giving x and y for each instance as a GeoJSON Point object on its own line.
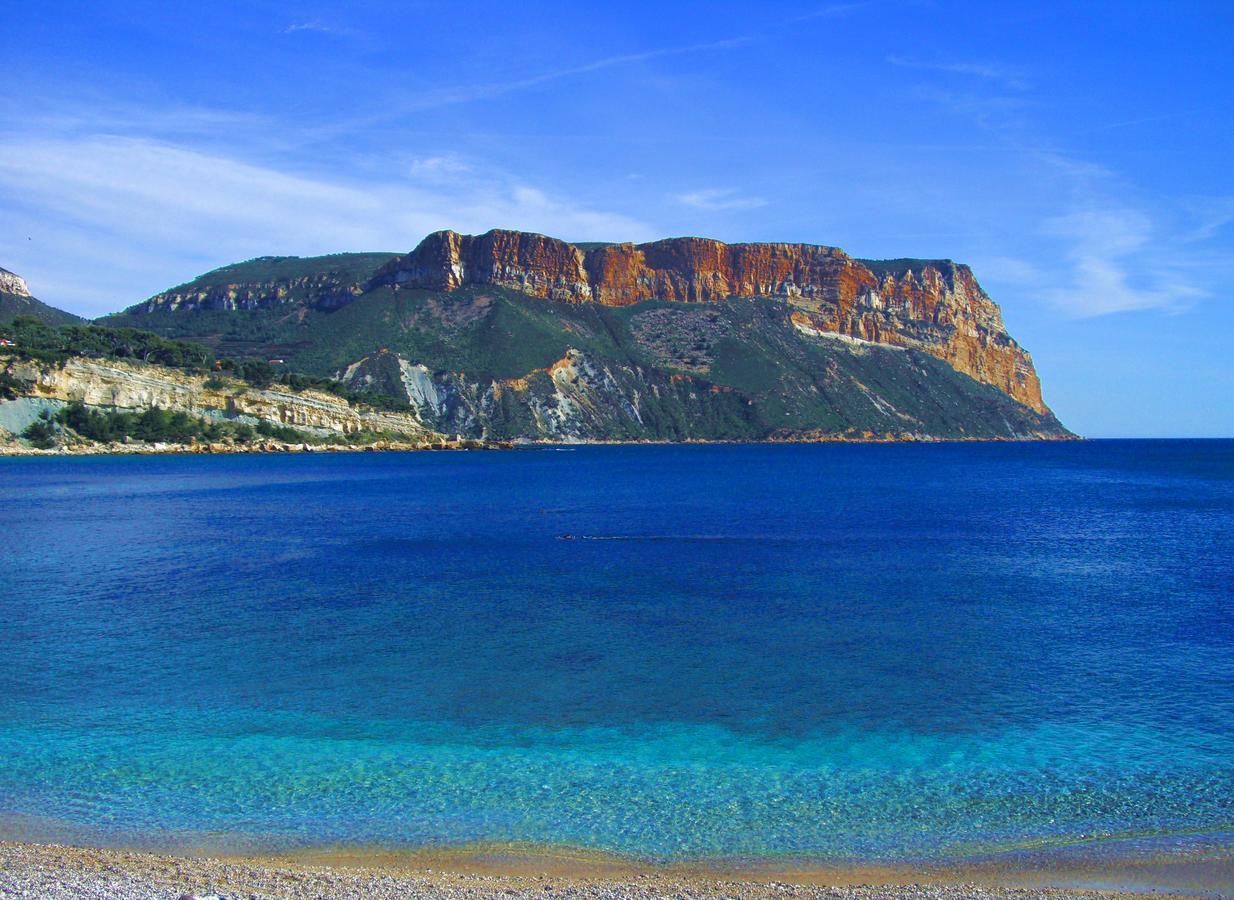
{"type": "Point", "coordinates": [832, 652]}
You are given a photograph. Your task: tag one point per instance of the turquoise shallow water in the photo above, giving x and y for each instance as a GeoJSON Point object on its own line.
{"type": "Point", "coordinates": [837, 652]}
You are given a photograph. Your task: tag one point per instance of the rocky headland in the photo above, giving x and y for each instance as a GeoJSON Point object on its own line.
{"type": "Point", "coordinates": [933, 305]}
{"type": "Point", "coordinates": [512, 336]}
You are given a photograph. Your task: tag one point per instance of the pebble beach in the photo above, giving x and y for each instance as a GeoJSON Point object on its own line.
{"type": "Point", "coordinates": [55, 872]}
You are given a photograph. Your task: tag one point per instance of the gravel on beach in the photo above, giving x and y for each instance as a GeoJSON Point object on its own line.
{"type": "Point", "coordinates": [53, 872]}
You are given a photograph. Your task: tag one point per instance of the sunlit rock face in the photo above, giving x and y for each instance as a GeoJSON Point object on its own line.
{"type": "Point", "coordinates": [531, 263]}
{"type": "Point", "coordinates": [319, 291]}
{"type": "Point", "coordinates": [11, 283]}
{"type": "Point", "coordinates": [933, 305]}
{"type": "Point", "coordinates": [126, 385]}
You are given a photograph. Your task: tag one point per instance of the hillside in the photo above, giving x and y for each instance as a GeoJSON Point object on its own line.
{"type": "Point", "coordinates": [322, 282]}
{"type": "Point", "coordinates": [15, 300]}
{"type": "Point", "coordinates": [509, 335]}
{"type": "Point", "coordinates": [81, 388]}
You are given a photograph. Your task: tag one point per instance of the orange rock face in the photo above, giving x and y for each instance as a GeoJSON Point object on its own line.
{"type": "Point", "coordinates": [531, 263]}
{"type": "Point", "coordinates": [936, 306]}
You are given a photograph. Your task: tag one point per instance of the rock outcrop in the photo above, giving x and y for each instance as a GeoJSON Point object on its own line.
{"type": "Point", "coordinates": [784, 381]}
{"type": "Point", "coordinates": [114, 384]}
{"type": "Point", "coordinates": [12, 283]}
{"type": "Point", "coordinates": [320, 291]}
{"type": "Point", "coordinates": [320, 282]}
{"type": "Point", "coordinates": [935, 306]}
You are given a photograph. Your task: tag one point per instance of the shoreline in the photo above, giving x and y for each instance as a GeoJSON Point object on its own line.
{"type": "Point", "coordinates": [254, 450]}
{"type": "Point", "coordinates": [137, 449]}
{"type": "Point", "coordinates": [55, 870]}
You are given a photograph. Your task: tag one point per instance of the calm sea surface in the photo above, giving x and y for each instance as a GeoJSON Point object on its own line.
{"type": "Point", "coordinates": [841, 652]}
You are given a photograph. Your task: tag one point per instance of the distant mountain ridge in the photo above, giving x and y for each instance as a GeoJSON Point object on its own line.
{"type": "Point", "coordinates": [510, 334]}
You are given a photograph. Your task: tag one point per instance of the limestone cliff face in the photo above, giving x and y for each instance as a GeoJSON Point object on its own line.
{"type": "Point", "coordinates": [531, 263]}
{"type": "Point", "coordinates": [845, 389]}
{"type": "Point", "coordinates": [11, 283]}
{"type": "Point", "coordinates": [575, 399]}
{"type": "Point", "coordinates": [323, 291]}
{"type": "Point", "coordinates": [116, 384]}
{"type": "Point", "coordinates": [936, 306]}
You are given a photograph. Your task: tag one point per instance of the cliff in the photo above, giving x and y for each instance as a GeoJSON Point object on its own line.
{"type": "Point", "coordinates": [321, 282]}
{"type": "Point", "coordinates": [737, 369]}
{"type": "Point", "coordinates": [130, 386]}
{"type": "Point", "coordinates": [514, 335]}
{"type": "Point", "coordinates": [936, 306]}
{"type": "Point", "coordinates": [11, 283]}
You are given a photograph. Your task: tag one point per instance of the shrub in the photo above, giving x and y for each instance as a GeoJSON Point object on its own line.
{"type": "Point", "coordinates": [279, 432]}
{"type": "Point", "coordinates": [10, 387]}
{"type": "Point", "coordinates": [42, 432]}
{"type": "Point", "coordinates": [157, 425]}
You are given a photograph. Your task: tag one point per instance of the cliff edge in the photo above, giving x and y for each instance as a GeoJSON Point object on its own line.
{"type": "Point", "coordinates": [936, 306]}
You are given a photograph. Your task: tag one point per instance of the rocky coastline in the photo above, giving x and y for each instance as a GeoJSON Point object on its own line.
{"type": "Point", "coordinates": [164, 449]}
{"type": "Point", "coordinates": [203, 449]}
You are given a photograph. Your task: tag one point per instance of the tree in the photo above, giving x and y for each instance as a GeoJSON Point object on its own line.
{"type": "Point", "coordinates": [42, 432]}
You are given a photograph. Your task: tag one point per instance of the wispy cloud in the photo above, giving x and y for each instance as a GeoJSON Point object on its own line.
{"type": "Point", "coordinates": [314, 25]}
{"type": "Point", "coordinates": [319, 26]}
{"type": "Point", "coordinates": [130, 216]}
{"type": "Point", "coordinates": [719, 199]}
{"type": "Point", "coordinates": [1212, 215]}
{"type": "Point", "coordinates": [1000, 112]}
{"type": "Point", "coordinates": [438, 167]}
{"type": "Point", "coordinates": [88, 113]}
{"type": "Point", "coordinates": [460, 94]}
{"type": "Point", "coordinates": [832, 11]}
{"type": "Point", "coordinates": [1147, 120]}
{"type": "Point", "coordinates": [1109, 270]}
{"type": "Point", "coordinates": [490, 90]}
{"type": "Point", "coordinates": [1110, 253]}
{"type": "Point", "coordinates": [1006, 270]}
{"type": "Point", "coordinates": [972, 69]}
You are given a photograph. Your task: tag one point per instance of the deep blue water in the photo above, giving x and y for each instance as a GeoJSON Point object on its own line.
{"type": "Point", "coordinates": [837, 651]}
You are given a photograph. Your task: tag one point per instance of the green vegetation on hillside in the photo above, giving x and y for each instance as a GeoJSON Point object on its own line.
{"type": "Point", "coordinates": [486, 333]}
{"type": "Point", "coordinates": [155, 425]}
{"type": "Point", "coordinates": [350, 268]}
{"type": "Point", "coordinates": [44, 343]}
{"type": "Point", "coordinates": [33, 339]}
{"type": "Point", "coordinates": [737, 369]}
{"type": "Point", "coordinates": [14, 305]}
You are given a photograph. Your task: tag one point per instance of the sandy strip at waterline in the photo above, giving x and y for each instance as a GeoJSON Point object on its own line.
{"type": "Point", "coordinates": [53, 871]}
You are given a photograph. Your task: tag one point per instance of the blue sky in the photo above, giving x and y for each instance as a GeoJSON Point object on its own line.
{"type": "Point", "coordinates": [1078, 156]}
